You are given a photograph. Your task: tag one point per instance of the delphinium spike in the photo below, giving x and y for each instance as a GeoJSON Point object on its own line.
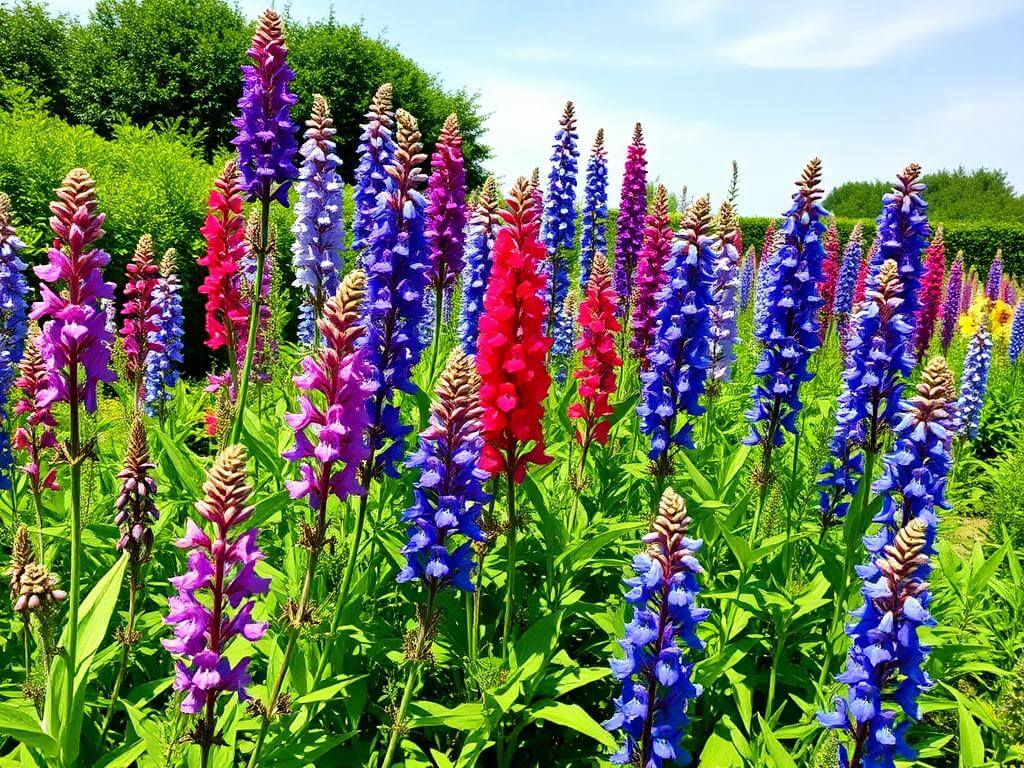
{"type": "Point", "coordinates": [903, 233]}
{"type": "Point", "coordinates": [725, 302]}
{"type": "Point", "coordinates": [995, 276]}
{"type": "Point", "coordinates": [951, 307]}
{"type": "Point", "coordinates": [650, 276]}
{"type": "Point", "coordinates": [594, 216]}
{"type": "Point", "coordinates": [747, 278]}
{"type": "Point", "coordinates": [376, 152]}
{"type": "Point", "coordinates": [829, 276]}
{"type": "Point", "coordinates": [141, 316]}
{"type": "Point", "coordinates": [483, 230]}
{"type": "Point", "coordinates": [974, 382]}
{"type": "Point", "coordinates": [846, 281]}
{"type": "Point", "coordinates": [931, 293]}
{"type": "Point", "coordinates": [629, 230]}
{"type": "Point", "coordinates": [163, 365]}
{"type": "Point", "coordinates": [13, 326]}
{"type": "Point", "coordinates": [1016, 343]}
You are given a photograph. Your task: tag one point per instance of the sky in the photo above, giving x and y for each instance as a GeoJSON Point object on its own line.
{"type": "Point", "coordinates": [868, 86]}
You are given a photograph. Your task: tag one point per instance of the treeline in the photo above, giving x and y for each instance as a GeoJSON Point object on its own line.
{"type": "Point", "coordinates": [173, 63]}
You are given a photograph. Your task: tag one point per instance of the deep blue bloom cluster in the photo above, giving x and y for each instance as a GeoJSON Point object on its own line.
{"type": "Point", "coordinates": [724, 306]}
{"type": "Point", "coordinates": [849, 269]}
{"type": "Point", "coordinates": [678, 358]}
{"type": "Point", "coordinates": [13, 323]}
{"type": "Point", "coordinates": [665, 614]}
{"type": "Point", "coordinates": [483, 230]}
{"type": "Point", "coordinates": [594, 219]}
{"type": "Point", "coordinates": [1016, 343]}
{"type": "Point", "coordinates": [163, 362]}
{"type": "Point", "coordinates": [396, 258]}
{"type": "Point", "coordinates": [974, 383]}
{"type": "Point", "coordinates": [879, 355]}
{"type": "Point", "coordinates": [449, 495]}
{"type": "Point", "coordinates": [995, 276]}
{"type": "Point", "coordinates": [789, 327]}
{"type": "Point", "coordinates": [376, 152]}
{"type": "Point", "coordinates": [747, 279]}
{"type": "Point", "coordinates": [319, 230]}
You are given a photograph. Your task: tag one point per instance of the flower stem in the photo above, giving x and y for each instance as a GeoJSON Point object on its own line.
{"type": "Point", "coordinates": [787, 547]}
{"type": "Point", "coordinates": [510, 565]}
{"type": "Point", "coordinates": [75, 449]}
{"type": "Point", "coordinates": [123, 665]}
{"type": "Point", "coordinates": [254, 321]}
{"type": "Point", "coordinates": [438, 306]}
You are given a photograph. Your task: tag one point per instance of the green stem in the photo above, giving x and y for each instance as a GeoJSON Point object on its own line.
{"type": "Point", "coordinates": [123, 665]}
{"type": "Point", "coordinates": [438, 305]}
{"type": "Point", "coordinates": [26, 633]}
{"type": "Point", "coordinates": [75, 449]}
{"type": "Point", "coordinates": [510, 566]}
{"type": "Point", "coordinates": [787, 547]}
{"type": "Point", "coordinates": [254, 321]}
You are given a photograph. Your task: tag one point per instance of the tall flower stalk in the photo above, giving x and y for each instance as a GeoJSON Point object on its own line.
{"type": "Point", "coordinates": [266, 149]}
{"type": "Point", "coordinates": [376, 152]}
{"type": "Point", "coordinates": [1016, 342]}
{"type": "Point", "coordinates": [725, 302]}
{"type": "Point", "coordinates": [594, 217]}
{"type": "Point", "coordinates": [903, 233]}
{"type": "Point", "coordinates": [846, 281]}
{"type": "Point", "coordinates": [514, 380]}
{"type": "Point", "coordinates": [212, 606]}
{"type": "Point", "coordinates": [829, 275]}
{"type": "Point", "coordinates": [650, 276]}
{"type": "Point", "coordinates": [656, 671]}
{"type": "Point", "coordinates": [444, 517]}
{"type": "Point", "coordinates": [974, 382]}
{"type": "Point", "coordinates": [163, 364]}
{"type": "Point", "coordinates": [931, 293]}
{"type": "Point", "coordinates": [483, 230]}
{"type": "Point", "coordinates": [75, 346]}
{"type": "Point", "coordinates": [319, 228]}
{"type": "Point", "coordinates": [995, 276]}
{"type": "Point", "coordinates": [629, 231]}
{"type": "Point", "coordinates": [951, 307]}
{"type": "Point", "coordinates": [141, 316]}
{"type": "Point", "coordinates": [746, 290]}
{"type": "Point", "coordinates": [13, 326]}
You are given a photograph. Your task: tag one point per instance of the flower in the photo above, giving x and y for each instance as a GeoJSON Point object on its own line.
{"type": "Point", "coordinates": [951, 308]}
{"type": "Point", "coordinates": [13, 323]}
{"type": "Point", "coordinates": [885, 657]}
{"type": "Point", "coordinates": [656, 670]}
{"type": "Point", "coordinates": [483, 230]}
{"type": "Point", "coordinates": [319, 229]}
{"type": "Point", "coordinates": [903, 233]}
{"type": "Point", "coordinates": [747, 278]}
{"type": "Point", "coordinates": [596, 373]}
{"type": "Point", "coordinates": [514, 380]}
{"type": "Point", "coordinates": [227, 316]}
{"type": "Point", "coordinates": [995, 276]}
{"type": "Point", "coordinates": [212, 606]}
{"type": "Point", "coordinates": [396, 259]}
{"type": "Point", "coordinates": [266, 133]}
{"type": "Point", "coordinates": [650, 275]}
{"type": "Point", "coordinates": [846, 280]}
{"type": "Point", "coordinates": [867, 267]}
{"type": "Point", "coordinates": [266, 344]}
{"type": "Point", "coordinates": [678, 358]}
{"type": "Point", "coordinates": [829, 274]}
{"type": "Point", "coordinates": [789, 327]}
{"type": "Point", "coordinates": [136, 508]}
{"type": "Point", "coordinates": [141, 313]}
{"type": "Point", "coordinates": [329, 430]}
{"type": "Point", "coordinates": [629, 232]}
{"type": "Point", "coordinates": [376, 152]}
{"type": "Point", "coordinates": [162, 365]}
{"type": "Point", "coordinates": [1016, 344]}
{"type": "Point", "coordinates": [931, 292]}
{"type": "Point", "coordinates": [449, 495]}
{"type": "Point", "coordinates": [878, 359]}
{"type": "Point", "coordinates": [37, 432]}
{"type": "Point", "coordinates": [33, 587]}
{"type": "Point", "coordinates": [974, 382]}
{"type": "Point", "coordinates": [74, 332]}
{"type": "Point", "coordinates": [724, 308]}
{"type": "Point", "coordinates": [446, 207]}
{"type": "Point", "coordinates": [594, 217]}
{"type": "Point", "coordinates": [770, 243]}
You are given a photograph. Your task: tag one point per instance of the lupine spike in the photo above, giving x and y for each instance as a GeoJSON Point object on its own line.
{"type": "Point", "coordinates": [650, 275]}
{"type": "Point", "coordinates": [725, 302]}
{"type": "Point", "coordinates": [1016, 343]}
{"type": "Point", "coordinates": [629, 233]}
{"type": "Point", "coordinates": [594, 217]}
{"type": "Point", "coordinates": [163, 365]}
{"type": "Point", "coordinates": [13, 325]}
{"type": "Point", "coordinates": [483, 230]}
{"type": "Point", "coordinates": [135, 505]}
{"type": "Point", "coordinates": [931, 293]}
{"type": "Point", "coordinates": [376, 152]}
{"type": "Point", "coordinates": [974, 382]}
{"type": "Point", "coordinates": [747, 278]}
{"type": "Point", "coordinates": [951, 308]}
{"type": "Point", "coordinates": [829, 274]}
{"type": "Point", "coordinates": [446, 209]}
{"type": "Point", "coordinates": [141, 313]}
{"type": "Point", "coordinates": [995, 276]}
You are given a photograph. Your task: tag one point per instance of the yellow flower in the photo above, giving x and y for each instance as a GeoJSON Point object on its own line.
{"type": "Point", "coordinates": [1001, 320]}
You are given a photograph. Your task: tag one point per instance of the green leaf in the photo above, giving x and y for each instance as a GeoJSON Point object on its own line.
{"type": "Point", "coordinates": [981, 577]}
{"type": "Point", "coordinates": [571, 716]}
{"type": "Point", "coordinates": [124, 756]}
{"type": "Point", "coordinates": [328, 691]}
{"type": "Point", "coordinates": [972, 747]}
{"type": "Point", "coordinates": [21, 725]}
{"type": "Point", "coordinates": [181, 467]}
{"type": "Point", "coordinates": [476, 744]}
{"type": "Point", "coordinates": [463, 717]}
{"type": "Point", "coordinates": [580, 554]}
{"type": "Point", "coordinates": [779, 754]}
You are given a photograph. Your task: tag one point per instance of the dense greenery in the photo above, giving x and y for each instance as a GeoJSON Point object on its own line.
{"type": "Point", "coordinates": [170, 62]}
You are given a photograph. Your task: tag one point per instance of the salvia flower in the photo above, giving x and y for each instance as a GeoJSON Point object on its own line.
{"type": "Point", "coordinates": [724, 306]}
{"type": "Point", "coordinates": [396, 258]}
{"type": "Point", "coordinates": [951, 307]}
{"type": "Point", "coordinates": [449, 495]}
{"type": "Point", "coordinates": [789, 327]}
{"type": "Point", "coordinates": [1016, 344]}
{"type": "Point", "coordinates": [514, 379]}
{"type": "Point", "coordinates": [931, 293]}
{"type": "Point", "coordinates": [74, 328]}
{"type": "Point", "coordinates": [36, 433]}
{"type": "Point", "coordinates": [903, 233]}
{"type": "Point", "coordinates": [224, 231]}
{"type": "Point", "coordinates": [135, 505]}
{"type": "Point", "coordinates": [829, 274]}
{"type": "Point", "coordinates": [163, 365]}
{"type": "Point", "coordinates": [213, 607]}
{"type": "Point", "coordinates": [747, 278]}
{"type": "Point", "coordinates": [483, 230]}
{"type": "Point", "coordinates": [319, 229]}
{"type": "Point", "coordinates": [650, 275]}
{"type": "Point", "coordinates": [656, 671]}
{"type": "Point", "coordinates": [13, 323]}
{"type": "Point", "coordinates": [336, 382]}
{"type": "Point", "coordinates": [141, 313]}
{"type": "Point", "coordinates": [884, 664]}
{"type": "Point", "coordinates": [878, 358]}
{"type": "Point", "coordinates": [376, 152]}
{"type": "Point", "coordinates": [600, 361]}
{"type": "Point", "coordinates": [33, 587]}
{"type": "Point", "coordinates": [629, 233]}
{"type": "Point", "coordinates": [678, 358]}
{"type": "Point", "coordinates": [849, 269]}
{"type": "Point", "coordinates": [974, 382]}
{"type": "Point", "coordinates": [594, 217]}
{"type": "Point", "coordinates": [446, 208]}
{"type": "Point", "coordinates": [266, 132]}
{"type": "Point", "coordinates": [995, 276]}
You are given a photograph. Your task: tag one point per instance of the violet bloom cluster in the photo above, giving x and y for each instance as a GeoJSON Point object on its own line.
{"type": "Point", "coordinates": [747, 279]}
{"type": "Point", "coordinates": [789, 329]}
{"type": "Point", "coordinates": [974, 382]}
{"type": "Point", "coordinates": [319, 229]}
{"type": "Point", "coordinates": [1016, 343]}
{"type": "Point", "coordinates": [724, 304]}
{"type": "Point", "coordinates": [559, 229]}
{"type": "Point", "coordinates": [951, 307]}
{"type": "Point", "coordinates": [449, 496]}
{"type": "Point", "coordinates": [213, 607]}
{"type": "Point", "coordinates": [849, 269]}
{"type": "Point", "coordinates": [74, 330]}
{"type": "Point", "coordinates": [376, 152]}
{"type": "Point", "coordinates": [995, 276]}
{"type": "Point", "coordinates": [678, 358]}
{"type": "Point", "coordinates": [396, 258]}
{"type": "Point", "coordinates": [483, 231]}
{"type": "Point", "coordinates": [13, 323]}
{"type": "Point", "coordinates": [167, 345]}
{"type": "Point", "coordinates": [266, 132]}
{"type": "Point", "coordinates": [651, 712]}
{"type": "Point", "coordinates": [594, 218]}
{"type": "Point", "coordinates": [629, 232]}
{"type": "Point", "coordinates": [335, 384]}
{"type": "Point", "coordinates": [446, 208]}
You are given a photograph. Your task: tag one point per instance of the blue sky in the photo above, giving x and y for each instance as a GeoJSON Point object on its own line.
{"type": "Point", "coordinates": [868, 86]}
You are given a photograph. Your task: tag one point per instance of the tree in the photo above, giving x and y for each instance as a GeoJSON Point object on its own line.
{"type": "Point", "coordinates": [33, 45]}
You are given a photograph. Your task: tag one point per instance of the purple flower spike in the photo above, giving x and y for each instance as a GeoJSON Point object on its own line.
{"type": "Point", "coordinates": [629, 233]}
{"type": "Point", "coordinates": [951, 309]}
{"type": "Point", "coordinates": [446, 207]}
{"type": "Point", "coordinates": [376, 152]}
{"type": "Point", "coordinates": [995, 276]}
